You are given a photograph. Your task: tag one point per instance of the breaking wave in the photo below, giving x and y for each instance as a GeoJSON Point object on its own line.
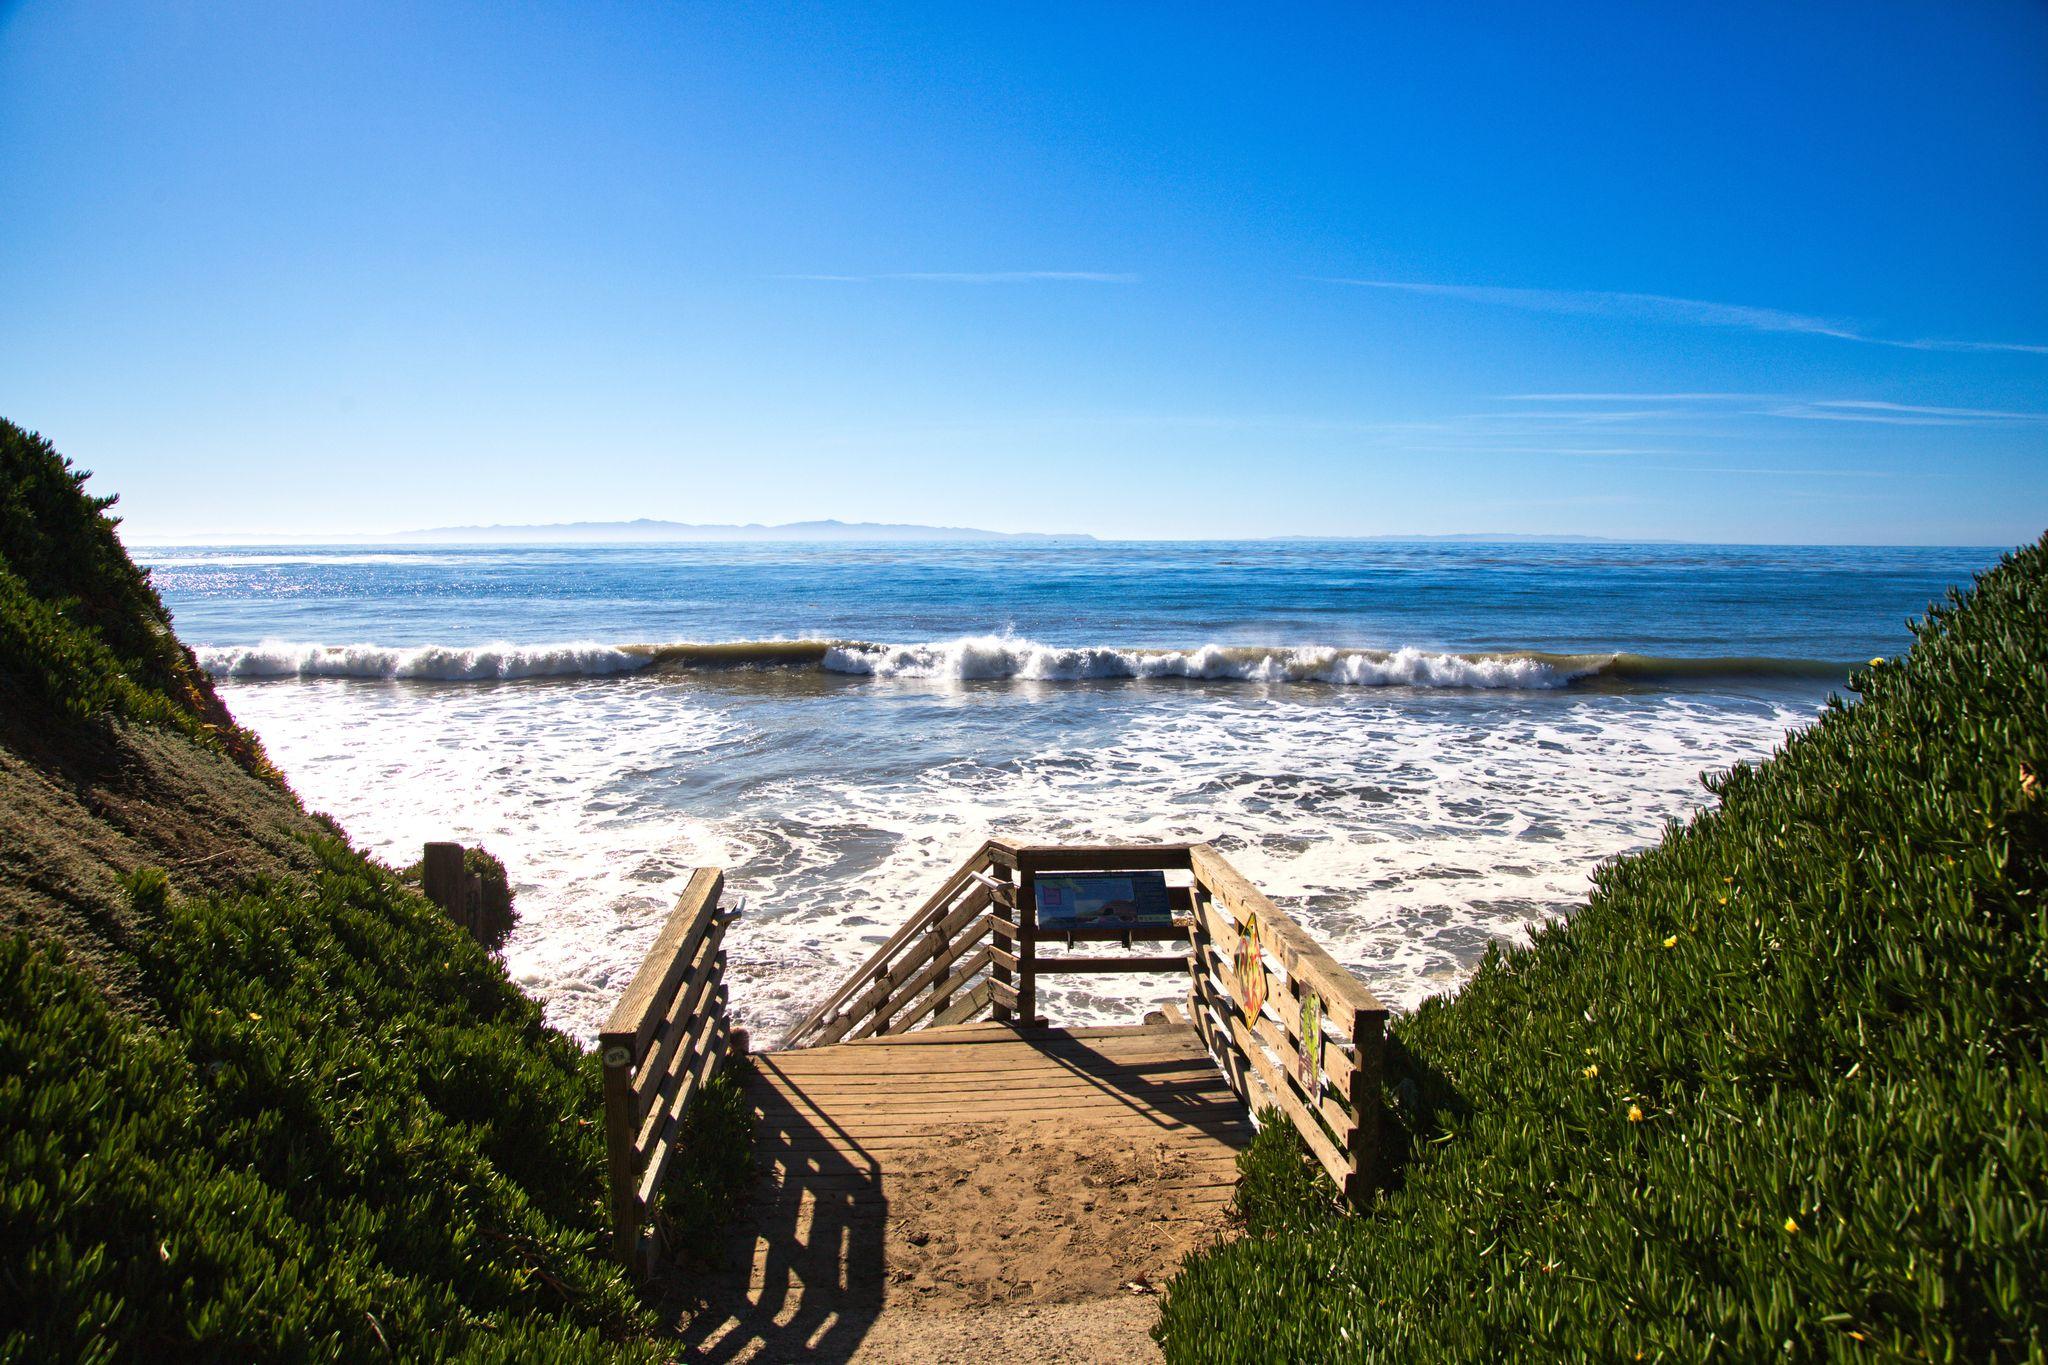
{"type": "Point", "coordinates": [994, 658]}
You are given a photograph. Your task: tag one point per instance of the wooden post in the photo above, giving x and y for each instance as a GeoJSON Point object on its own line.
{"type": "Point", "coordinates": [622, 1156]}
{"type": "Point", "coordinates": [442, 878]}
{"type": "Point", "coordinates": [1007, 913]}
{"type": "Point", "coordinates": [1027, 947]}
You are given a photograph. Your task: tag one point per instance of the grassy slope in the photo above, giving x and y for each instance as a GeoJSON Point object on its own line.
{"type": "Point", "coordinates": [1779, 1089]}
{"type": "Point", "coordinates": [256, 1099]}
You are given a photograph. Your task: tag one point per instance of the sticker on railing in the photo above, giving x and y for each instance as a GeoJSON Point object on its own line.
{"type": "Point", "coordinates": [1251, 970]}
{"type": "Point", "coordinates": [1308, 1060]}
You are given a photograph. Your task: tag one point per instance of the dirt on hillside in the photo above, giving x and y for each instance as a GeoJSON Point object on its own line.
{"type": "Point", "coordinates": [81, 807]}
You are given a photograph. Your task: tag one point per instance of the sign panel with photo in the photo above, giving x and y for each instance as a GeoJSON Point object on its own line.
{"type": "Point", "coordinates": [1103, 900]}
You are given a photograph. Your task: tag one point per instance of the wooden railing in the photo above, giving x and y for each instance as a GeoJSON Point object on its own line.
{"type": "Point", "coordinates": [666, 1038]}
{"type": "Point", "coordinates": [1287, 1024]}
{"type": "Point", "coordinates": [940, 967]}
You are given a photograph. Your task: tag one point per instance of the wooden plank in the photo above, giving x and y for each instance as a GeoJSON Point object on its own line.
{"type": "Point", "coordinates": [1208, 1014]}
{"type": "Point", "coordinates": [966, 1007]}
{"type": "Point", "coordinates": [944, 991]}
{"type": "Point", "coordinates": [1154, 933]}
{"type": "Point", "coordinates": [1339, 1064]}
{"type": "Point", "coordinates": [1132, 1072]}
{"type": "Point", "coordinates": [1204, 1168]}
{"type": "Point", "coordinates": [993, 1068]}
{"type": "Point", "coordinates": [1176, 962]}
{"type": "Point", "coordinates": [1000, 1034]}
{"type": "Point", "coordinates": [1346, 1091]}
{"type": "Point", "coordinates": [1102, 857]}
{"type": "Point", "coordinates": [1333, 1158]}
{"type": "Point", "coordinates": [1223, 1132]}
{"type": "Point", "coordinates": [857, 1195]}
{"type": "Point", "coordinates": [936, 1127]}
{"type": "Point", "coordinates": [888, 978]}
{"type": "Point", "coordinates": [645, 999]}
{"type": "Point", "coordinates": [1193, 1111]}
{"type": "Point", "coordinates": [1023, 1092]}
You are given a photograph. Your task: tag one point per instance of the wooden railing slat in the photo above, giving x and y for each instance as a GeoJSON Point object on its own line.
{"type": "Point", "coordinates": [933, 908]}
{"type": "Point", "coordinates": [1338, 1064]}
{"type": "Point", "coordinates": [888, 988]}
{"type": "Point", "coordinates": [677, 1023]}
{"type": "Point", "coordinates": [1333, 1158]}
{"type": "Point", "coordinates": [1169, 962]}
{"type": "Point", "coordinates": [646, 997]}
{"type": "Point", "coordinates": [670, 1134]}
{"type": "Point", "coordinates": [958, 981]}
{"type": "Point", "coordinates": [666, 1037]}
{"type": "Point", "coordinates": [966, 1007]}
{"type": "Point", "coordinates": [879, 1021]}
{"type": "Point", "coordinates": [1101, 857]}
{"type": "Point", "coordinates": [661, 1094]}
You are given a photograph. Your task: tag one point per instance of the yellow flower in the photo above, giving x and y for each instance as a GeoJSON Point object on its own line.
{"type": "Point", "coordinates": [1635, 1113]}
{"type": "Point", "coordinates": [1875, 663]}
{"type": "Point", "coordinates": [254, 1015]}
{"type": "Point", "coordinates": [1791, 1225]}
{"type": "Point", "coordinates": [1671, 942]}
{"type": "Point", "coordinates": [1590, 1072]}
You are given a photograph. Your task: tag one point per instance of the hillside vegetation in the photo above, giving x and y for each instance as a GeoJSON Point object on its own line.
{"type": "Point", "coordinates": [257, 1098]}
{"type": "Point", "coordinates": [1778, 1090]}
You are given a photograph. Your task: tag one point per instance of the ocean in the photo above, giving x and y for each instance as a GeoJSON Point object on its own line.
{"type": "Point", "coordinates": [1416, 748]}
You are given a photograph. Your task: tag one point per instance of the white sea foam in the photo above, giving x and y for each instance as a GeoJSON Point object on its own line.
{"type": "Point", "coordinates": [443, 663]}
{"type": "Point", "coordinates": [1001, 656]}
{"type": "Point", "coordinates": [1406, 829]}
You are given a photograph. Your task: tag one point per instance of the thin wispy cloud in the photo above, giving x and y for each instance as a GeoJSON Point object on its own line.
{"type": "Point", "coordinates": [975, 277]}
{"type": "Point", "coordinates": [1771, 405]}
{"type": "Point", "coordinates": [1902, 414]}
{"type": "Point", "coordinates": [1635, 397]}
{"type": "Point", "coordinates": [1774, 473]}
{"type": "Point", "coordinates": [1664, 308]}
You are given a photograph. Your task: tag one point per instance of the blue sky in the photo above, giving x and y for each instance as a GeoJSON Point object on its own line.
{"type": "Point", "coordinates": [1705, 272]}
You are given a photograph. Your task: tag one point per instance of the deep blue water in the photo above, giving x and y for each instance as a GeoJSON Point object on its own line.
{"type": "Point", "coordinates": [1672, 600]}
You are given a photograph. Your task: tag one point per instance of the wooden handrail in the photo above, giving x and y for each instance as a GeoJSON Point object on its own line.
{"type": "Point", "coordinates": [1251, 1009]}
{"type": "Point", "coordinates": [928, 914]}
{"type": "Point", "coordinates": [913, 961]}
{"type": "Point", "coordinates": [667, 1036]}
{"type": "Point", "coordinates": [974, 947]}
